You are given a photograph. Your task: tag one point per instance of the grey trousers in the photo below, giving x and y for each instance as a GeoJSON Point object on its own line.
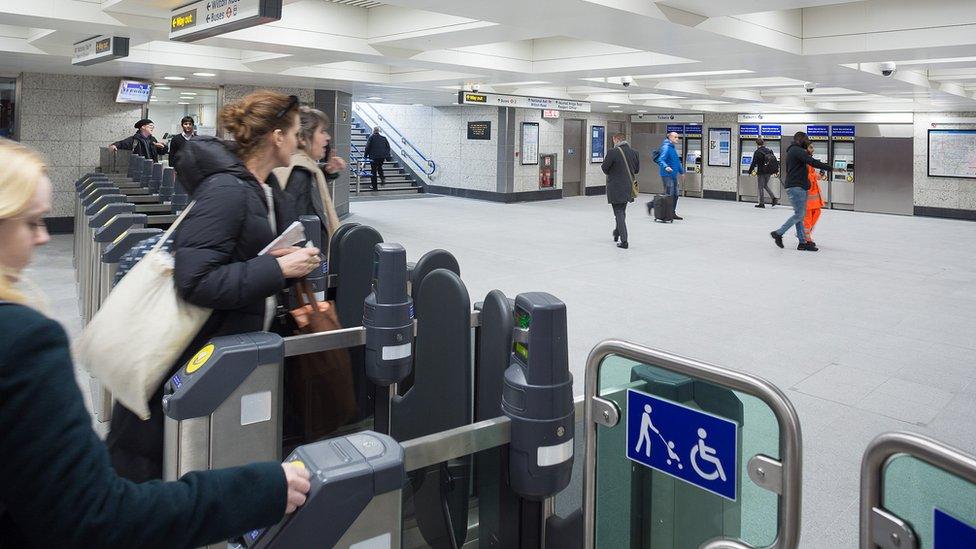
{"type": "Point", "coordinates": [620, 216]}
{"type": "Point", "coordinates": [764, 184]}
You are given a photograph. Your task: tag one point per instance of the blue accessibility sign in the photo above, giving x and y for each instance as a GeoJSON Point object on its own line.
{"type": "Point", "coordinates": [685, 443]}
{"type": "Point", "coordinates": [952, 533]}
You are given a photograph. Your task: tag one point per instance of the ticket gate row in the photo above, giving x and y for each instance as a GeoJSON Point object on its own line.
{"type": "Point", "coordinates": [227, 405]}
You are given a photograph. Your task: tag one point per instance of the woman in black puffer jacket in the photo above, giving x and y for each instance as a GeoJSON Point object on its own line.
{"type": "Point", "coordinates": [238, 210]}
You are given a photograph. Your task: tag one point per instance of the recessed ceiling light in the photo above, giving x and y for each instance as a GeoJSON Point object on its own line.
{"type": "Point", "coordinates": [163, 88]}
{"type": "Point", "coordinates": [613, 106]}
{"type": "Point", "coordinates": [174, 78]}
{"type": "Point", "coordinates": [642, 110]}
{"type": "Point", "coordinates": [182, 103]}
{"type": "Point", "coordinates": [188, 93]}
{"type": "Point", "coordinates": [699, 73]}
{"type": "Point", "coordinates": [418, 104]}
{"type": "Point", "coordinates": [153, 99]}
{"type": "Point", "coordinates": [204, 74]}
{"type": "Point", "coordinates": [374, 99]}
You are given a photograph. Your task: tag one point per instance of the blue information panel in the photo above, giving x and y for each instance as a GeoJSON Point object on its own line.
{"type": "Point", "coordinates": [678, 128]}
{"type": "Point", "coordinates": [694, 130]}
{"type": "Point", "coordinates": [772, 129]}
{"type": "Point", "coordinates": [817, 131]}
{"type": "Point", "coordinates": [749, 130]}
{"type": "Point", "coordinates": [952, 533]}
{"type": "Point", "coordinates": [688, 444]}
{"type": "Point", "coordinates": [842, 131]}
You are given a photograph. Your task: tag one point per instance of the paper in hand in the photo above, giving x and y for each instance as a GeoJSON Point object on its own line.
{"type": "Point", "coordinates": [294, 234]}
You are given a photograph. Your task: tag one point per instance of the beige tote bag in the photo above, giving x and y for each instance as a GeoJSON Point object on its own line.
{"type": "Point", "coordinates": [141, 329]}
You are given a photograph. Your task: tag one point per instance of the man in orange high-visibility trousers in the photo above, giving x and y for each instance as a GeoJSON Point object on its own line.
{"type": "Point", "coordinates": [815, 202]}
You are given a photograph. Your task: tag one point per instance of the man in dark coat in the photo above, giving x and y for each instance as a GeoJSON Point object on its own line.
{"type": "Point", "coordinates": [176, 143]}
{"type": "Point", "coordinates": [621, 166]}
{"type": "Point", "coordinates": [142, 142]}
{"type": "Point", "coordinates": [378, 152]}
{"type": "Point", "coordinates": [797, 184]}
{"type": "Point", "coordinates": [758, 166]}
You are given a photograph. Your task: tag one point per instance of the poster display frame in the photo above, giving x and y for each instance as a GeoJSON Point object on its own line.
{"type": "Point", "coordinates": [600, 141]}
{"type": "Point", "coordinates": [728, 132]}
{"type": "Point", "coordinates": [529, 156]}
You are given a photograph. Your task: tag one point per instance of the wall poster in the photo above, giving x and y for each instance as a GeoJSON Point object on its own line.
{"type": "Point", "coordinates": [598, 143]}
{"type": "Point", "coordinates": [720, 147]}
{"type": "Point", "coordinates": [530, 144]}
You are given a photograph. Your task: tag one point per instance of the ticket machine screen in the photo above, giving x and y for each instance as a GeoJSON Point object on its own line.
{"type": "Point", "coordinates": [840, 164]}
{"type": "Point", "coordinates": [746, 162]}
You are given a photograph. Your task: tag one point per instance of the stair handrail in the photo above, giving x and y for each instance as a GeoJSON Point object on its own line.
{"type": "Point", "coordinates": [427, 163]}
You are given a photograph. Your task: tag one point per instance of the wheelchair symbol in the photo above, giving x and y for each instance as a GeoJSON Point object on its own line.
{"type": "Point", "coordinates": [708, 454]}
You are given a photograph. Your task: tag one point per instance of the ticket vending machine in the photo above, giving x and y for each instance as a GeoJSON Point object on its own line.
{"type": "Point", "coordinates": [748, 184]}
{"type": "Point", "coordinates": [842, 178]}
{"type": "Point", "coordinates": [818, 135]}
{"type": "Point", "coordinates": [691, 156]}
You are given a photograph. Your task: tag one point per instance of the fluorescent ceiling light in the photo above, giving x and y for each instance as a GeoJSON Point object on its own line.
{"type": "Point", "coordinates": [173, 78]}
{"type": "Point", "coordinates": [641, 110]}
{"type": "Point", "coordinates": [188, 94]}
{"type": "Point", "coordinates": [163, 88]}
{"type": "Point", "coordinates": [699, 73]}
{"type": "Point", "coordinates": [153, 99]}
{"type": "Point", "coordinates": [204, 74]}
{"type": "Point", "coordinates": [418, 104]}
{"type": "Point", "coordinates": [530, 83]}
{"type": "Point", "coordinates": [937, 61]}
{"type": "Point", "coordinates": [183, 103]}
{"type": "Point", "coordinates": [374, 99]}
{"type": "Point", "coordinates": [613, 106]}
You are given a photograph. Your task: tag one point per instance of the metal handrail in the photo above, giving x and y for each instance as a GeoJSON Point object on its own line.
{"type": "Point", "coordinates": [428, 163]}
{"type": "Point", "coordinates": [876, 456]}
{"type": "Point", "coordinates": [790, 449]}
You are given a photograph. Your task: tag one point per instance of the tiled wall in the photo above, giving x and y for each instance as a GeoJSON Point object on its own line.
{"type": "Point", "coordinates": [720, 178]}
{"type": "Point", "coordinates": [440, 133]}
{"type": "Point", "coordinates": [940, 192]}
{"type": "Point", "coordinates": [67, 118]}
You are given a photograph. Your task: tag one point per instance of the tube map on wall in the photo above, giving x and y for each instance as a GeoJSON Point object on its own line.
{"type": "Point", "coordinates": [952, 153]}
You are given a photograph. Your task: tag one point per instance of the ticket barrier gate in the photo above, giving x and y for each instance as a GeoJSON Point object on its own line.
{"type": "Point", "coordinates": [916, 492]}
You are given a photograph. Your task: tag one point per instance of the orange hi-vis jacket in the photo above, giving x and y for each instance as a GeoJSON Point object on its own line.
{"type": "Point", "coordinates": [814, 198]}
{"type": "Point", "coordinates": [815, 203]}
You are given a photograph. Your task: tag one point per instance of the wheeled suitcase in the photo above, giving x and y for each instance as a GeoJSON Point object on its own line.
{"type": "Point", "coordinates": [662, 208]}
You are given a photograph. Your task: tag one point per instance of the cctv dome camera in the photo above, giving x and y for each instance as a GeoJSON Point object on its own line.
{"type": "Point", "coordinates": [888, 68]}
{"type": "Point", "coordinates": [809, 86]}
{"type": "Point", "coordinates": [626, 81]}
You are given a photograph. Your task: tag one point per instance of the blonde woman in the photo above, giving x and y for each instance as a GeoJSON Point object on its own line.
{"type": "Point", "coordinates": [57, 484]}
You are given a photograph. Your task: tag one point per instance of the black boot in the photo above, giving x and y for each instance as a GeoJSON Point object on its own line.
{"type": "Point", "coordinates": [623, 245]}
{"type": "Point", "coordinates": [760, 205]}
{"type": "Point", "coordinates": [778, 238]}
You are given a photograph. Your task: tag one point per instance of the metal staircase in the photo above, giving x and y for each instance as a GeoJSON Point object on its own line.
{"type": "Point", "coordinates": [398, 179]}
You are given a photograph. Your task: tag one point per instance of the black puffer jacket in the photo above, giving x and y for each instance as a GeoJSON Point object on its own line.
{"type": "Point", "coordinates": [218, 267]}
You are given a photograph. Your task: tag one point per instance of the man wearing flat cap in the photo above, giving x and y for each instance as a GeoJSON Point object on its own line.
{"type": "Point", "coordinates": [142, 143]}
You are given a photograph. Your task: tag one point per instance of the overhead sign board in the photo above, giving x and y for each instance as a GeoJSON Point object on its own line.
{"type": "Point", "coordinates": [684, 443]}
{"type": "Point", "coordinates": [676, 128]}
{"type": "Point", "coordinates": [771, 130]}
{"type": "Point", "coordinates": [668, 118]}
{"type": "Point", "coordinates": [99, 49]}
{"type": "Point", "coordinates": [830, 118]}
{"type": "Point", "coordinates": [693, 130]}
{"type": "Point", "coordinates": [208, 18]}
{"type": "Point", "coordinates": [522, 101]}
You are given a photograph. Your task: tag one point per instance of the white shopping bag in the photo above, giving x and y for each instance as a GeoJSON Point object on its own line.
{"type": "Point", "coordinates": [140, 330]}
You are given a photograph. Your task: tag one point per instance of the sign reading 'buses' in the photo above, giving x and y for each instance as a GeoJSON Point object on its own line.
{"type": "Point", "coordinates": [208, 18]}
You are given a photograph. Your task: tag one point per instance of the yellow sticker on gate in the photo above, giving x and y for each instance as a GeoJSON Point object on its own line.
{"type": "Point", "coordinates": [199, 359]}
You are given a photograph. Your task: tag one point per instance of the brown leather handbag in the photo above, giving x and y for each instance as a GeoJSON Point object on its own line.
{"type": "Point", "coordinates": [320, 385]}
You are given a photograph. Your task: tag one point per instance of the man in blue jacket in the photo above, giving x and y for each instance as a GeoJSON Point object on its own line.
{"type": "Point", "coordinates": [671, 167]}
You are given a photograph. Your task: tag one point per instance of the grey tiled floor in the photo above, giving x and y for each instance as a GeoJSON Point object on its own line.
{"type": "Point", "coordinates": [876, 332]}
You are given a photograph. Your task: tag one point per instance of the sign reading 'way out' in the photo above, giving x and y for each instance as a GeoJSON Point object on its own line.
{"type": "Point", "coordinates": [208, 18]}
{"type": "Point", "coordinates": [682, 442]}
